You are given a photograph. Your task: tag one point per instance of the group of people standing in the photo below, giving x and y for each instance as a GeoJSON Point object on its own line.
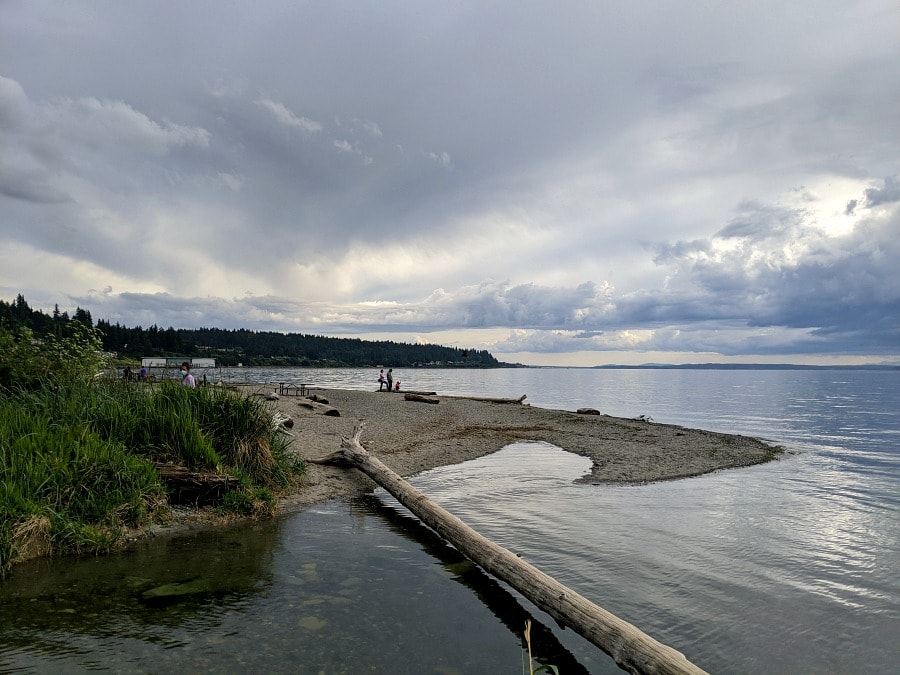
{"type": "Point", "coordinates": [128, 373]}
{"type": "Point", "coordinates": [387, 380]}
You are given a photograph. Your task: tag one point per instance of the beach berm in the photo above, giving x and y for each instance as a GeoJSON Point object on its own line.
{"type": "Point", "coordinates": [411, 436]}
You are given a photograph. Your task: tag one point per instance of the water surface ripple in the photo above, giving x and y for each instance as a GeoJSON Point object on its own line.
{"type": "Point", "coordinates": [789, 567]}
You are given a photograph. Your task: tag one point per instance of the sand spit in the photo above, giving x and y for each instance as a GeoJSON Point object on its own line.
{"type": "Point", "coordinates": [412, 436]}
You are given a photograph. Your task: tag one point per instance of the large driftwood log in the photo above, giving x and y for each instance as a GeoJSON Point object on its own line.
{"type": "Point", "coordinates": [410, 396]}
{"type": "Point", "coordinates": [632, 649]}
{"type": "Point", "coordinates": [319, 408]}
{"type": "Point", "coordinates": [489, 399]}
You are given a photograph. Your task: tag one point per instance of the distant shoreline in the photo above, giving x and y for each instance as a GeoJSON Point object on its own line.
{"type": "Point", "coordinates": [728, 366]}
{"type": "Point", "coordinates": [644, 366]}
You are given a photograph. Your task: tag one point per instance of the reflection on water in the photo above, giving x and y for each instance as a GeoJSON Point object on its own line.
{"type": "Point", "coordinates": [346, 587]}
{"type": "Point", "coordinates": [789, 567]}
{"type": "Point", "coordinates": [501, 602]}
{"type": "Point", "coordinates": [87, 613]}
{"type": "Point", "coordinates": [743, 571]}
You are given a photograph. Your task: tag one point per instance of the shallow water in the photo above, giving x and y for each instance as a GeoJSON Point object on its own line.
{"type": "Point", "coordinates": [735, 573]}
{"type": "Point", "coordinates": [347, 587]}
{"type": "Point", "coordinates": [790, 567]}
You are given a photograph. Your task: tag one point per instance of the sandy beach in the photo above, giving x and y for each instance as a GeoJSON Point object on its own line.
{"type": "Point", "coordinates": [412, 436]}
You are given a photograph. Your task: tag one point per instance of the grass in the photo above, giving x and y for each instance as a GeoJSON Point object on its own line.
{"type": "Point", "coordinates": [531, 669]}
{"type": "Point", "coordinates": [77, 458]}
{"type": "Point", "coordinates": [85, 487]}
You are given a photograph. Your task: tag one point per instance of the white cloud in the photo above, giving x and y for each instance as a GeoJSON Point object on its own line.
{"type": "Point", "coordinates": [288, 118]}
{"type": "Point", "coordinates": [232, 181]}
{"type": "Point", "coordinates": [94, 122]}
{"type": "Point", "coordinates": [442, 158]}
{"type": "Point", "coordinates": [550, 179]}
{"type": "Point", "coordinates": [372, 129]}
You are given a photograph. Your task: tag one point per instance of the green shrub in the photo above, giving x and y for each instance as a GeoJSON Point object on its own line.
{"type": "Point", "coordinates": [171, 431]}
{"type": "Point", "coordinates": [156, 423]}
{"type": "Point", "coordinates": [27, 362]}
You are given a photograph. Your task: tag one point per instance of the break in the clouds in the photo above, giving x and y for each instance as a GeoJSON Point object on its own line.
{"type": "Point", "coordinates": [578, 183]}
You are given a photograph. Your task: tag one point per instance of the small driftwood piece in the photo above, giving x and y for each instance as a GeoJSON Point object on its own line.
{"type": "Point", "coordinates": [632, 649]}
{"type": "Point", "coordinates": [199, 488]}
{"type": "Point", "coordinates": [319, 408]}
{"type": "Point", "coordinates": [410, 396]}
{"type": "Point", "coordinates": [282, 421]}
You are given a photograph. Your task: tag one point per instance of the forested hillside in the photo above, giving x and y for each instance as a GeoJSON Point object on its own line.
{"type": "Point", "coordinates": [250, 348]}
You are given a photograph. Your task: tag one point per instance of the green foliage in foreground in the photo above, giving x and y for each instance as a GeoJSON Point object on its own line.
{"type": "Point", "coordinates": [78, 454]}
{"type": "Point", "coordinates": [26, 361]}
{"type": "Point", "coordinates": [85, 488]}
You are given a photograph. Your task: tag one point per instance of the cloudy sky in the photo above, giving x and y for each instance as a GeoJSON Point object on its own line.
{"type": "Point", "coordinates": [567, 183]}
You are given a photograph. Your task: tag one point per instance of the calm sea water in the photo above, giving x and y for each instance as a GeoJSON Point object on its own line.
{"type": "Point", "coordinates": [790, 567]}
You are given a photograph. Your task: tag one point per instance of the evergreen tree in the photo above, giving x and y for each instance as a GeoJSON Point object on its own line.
{"type": "Point", "coordinates": [230, 347]}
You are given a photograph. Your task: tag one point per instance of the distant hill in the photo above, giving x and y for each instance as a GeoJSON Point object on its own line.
{"type": "Point", "coordinates": [745, 366]}
{"type": "Point", "coordinates": [250, 348]}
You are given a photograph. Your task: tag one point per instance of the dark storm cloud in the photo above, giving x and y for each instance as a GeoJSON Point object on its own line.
{"type": "Point", "coordinates": [888, 194]}
{"type": "Point", "coordinates": [681, 177]}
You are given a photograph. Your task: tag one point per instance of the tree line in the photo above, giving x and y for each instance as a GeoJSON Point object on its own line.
{"type": "Point", "coordinates": [241, 346]}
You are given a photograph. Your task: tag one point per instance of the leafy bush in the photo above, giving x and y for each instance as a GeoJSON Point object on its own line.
{"type": "Point", "coordinates": [26, 361]}
{"type": "Point", "coordinates": [169, 430]}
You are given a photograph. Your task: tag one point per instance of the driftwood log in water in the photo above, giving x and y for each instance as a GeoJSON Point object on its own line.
{"type": "Point", "coordinates": [631, 649]}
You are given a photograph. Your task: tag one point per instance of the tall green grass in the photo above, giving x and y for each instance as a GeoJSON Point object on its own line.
{"type": "Point", "coordinates": [86, 488]}
{"type": "Point", "coordinates": [146, 420]}
{"type": "Point", "coordinates": [242, 431]}
{"type": "Point", "coordinates": [80, 455]}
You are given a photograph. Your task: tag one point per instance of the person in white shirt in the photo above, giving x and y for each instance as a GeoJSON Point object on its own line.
{"type": "Point", "coordinates": [187, 380]}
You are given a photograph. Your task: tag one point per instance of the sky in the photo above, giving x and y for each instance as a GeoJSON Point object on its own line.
{"type": "Point", "coordinates": [569, 183]}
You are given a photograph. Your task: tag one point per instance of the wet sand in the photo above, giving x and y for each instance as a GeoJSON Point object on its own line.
{"type": "Point", "coordinates": [412, 436]}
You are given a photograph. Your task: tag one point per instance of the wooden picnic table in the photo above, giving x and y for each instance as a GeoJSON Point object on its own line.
{"type": "Point", "coordinates": [291, 389]}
